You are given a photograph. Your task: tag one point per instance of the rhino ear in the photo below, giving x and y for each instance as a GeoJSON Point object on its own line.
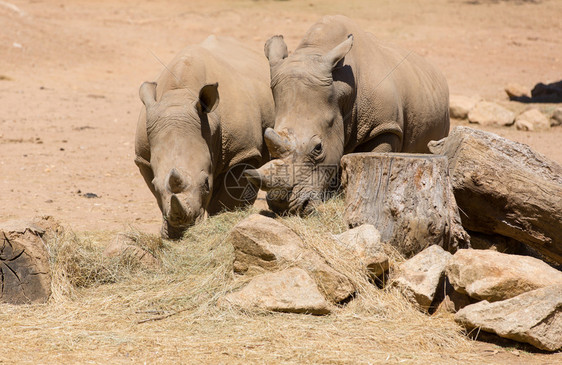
{"type": "Point", "coordinates": [275, 50]}
{"type": "Point", "coordinates": [147, 93]}
{"type": "Point", "coordinates": [209, 97]}
{"type": "Point", "coordinates": [338, 52]}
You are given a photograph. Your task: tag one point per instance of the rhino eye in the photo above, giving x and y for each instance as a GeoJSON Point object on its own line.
{"type": "Point", "coordinates": [206, 185]}
{"type": "Point", "coordinates": [317, 149]}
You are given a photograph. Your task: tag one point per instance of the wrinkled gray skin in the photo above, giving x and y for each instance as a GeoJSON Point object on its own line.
{"type": "Point", "coordinates": [205, 116]}
{"type": "Point", "coordinates": [343, 91]}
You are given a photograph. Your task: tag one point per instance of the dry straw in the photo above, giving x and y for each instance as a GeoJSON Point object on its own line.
{"type": "Point", "coordinates": [116, 310]}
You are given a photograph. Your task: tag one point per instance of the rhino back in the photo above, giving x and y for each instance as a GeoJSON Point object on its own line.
{"type": "Point", "coordinates": [388, 89]}
{"type": "Point", "coordinates": [246, 105]}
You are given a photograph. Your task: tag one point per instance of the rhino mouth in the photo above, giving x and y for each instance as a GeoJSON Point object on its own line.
{"type": "Point", "coordinates": [285, 202]}
{"type": "Point", "coordinates": [173, 229]}
{"type": "Point", "coordinates": [186, 221]}
{"type": "Point", "coordinates": [302, 206]}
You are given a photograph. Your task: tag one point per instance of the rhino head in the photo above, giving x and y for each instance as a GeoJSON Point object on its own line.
{"type": "Point", "coordinates": [179, 135]}
{"type": "Point", "coordinates": [307, 142]}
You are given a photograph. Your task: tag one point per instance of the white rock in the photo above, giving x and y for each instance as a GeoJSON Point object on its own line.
{"type": "Point", "coordinates": [490, 275]}
{"type": "Point", "coordinates": [460, 105]}
{"type": "Point", "coordinates": [535, 118]}
{"type": "Point", "coordinates": [290, 290]}
{"type": "Point", "coordinates": [262, 243]}
{"type": "Point", "coordinates": [419, 276]}
{"type": "Point", "coordinates": [122, 245]}
{"type": "Point", "coordinates": [524, 125]}
{"type": "Point", "coordinates": [534, 317]}
{"type": "Point", "coordinates": [364, 243]}
{"type": "Point", "coordinates": [490, 114]}
{"type": "Point", "coordinates": [556, 118]}
{"type": "Point", "coordinates": [517, 92]}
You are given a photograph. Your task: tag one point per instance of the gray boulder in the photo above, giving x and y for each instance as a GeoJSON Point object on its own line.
{"type": "Point", "coordinates": [264, 244]}
{"type": "Point", "coordinates": [492, 276]}
{"type": "Point", "coordinates": [420, 276]}
{"type": "Point", "coordinates": [534, 317]}
{"type": "Point", "coordinates": [364, 243]}
{"type": "Point", "coordinates": [122, 245]}
{"type": "Point", "coordinates": [291, 290]}
{"type": "Point", "coordinates": [556, 118]}
{"type": "Point", "coordinates": [532, 120]}
{"type": "Point", "coordinates": [490, 114]}
{"type": "Point", "coordinates": [460, 105]}
{"type": "Point", "coordinates": [517, 92]}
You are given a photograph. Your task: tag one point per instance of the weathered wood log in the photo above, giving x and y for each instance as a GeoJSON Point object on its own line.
{"type": "Point", "coordinates": [407, 197]}
{"type": "Point", "coordinates": [504, 187]}
{"type": "Point", "coordinates": [24, 264]}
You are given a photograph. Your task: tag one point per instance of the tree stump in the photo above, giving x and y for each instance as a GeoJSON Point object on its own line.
{"type": "Point", "coordinates": [407, 197]}
{"type": "Point", "coordinates": [24, 264]}
{"type": "Point", "coordinates": [503, 187]}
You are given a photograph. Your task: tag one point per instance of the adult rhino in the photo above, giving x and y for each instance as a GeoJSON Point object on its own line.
{"type": "Point", "coordinates": [343, 91]}
{"type": "Point", "coordinates": [191, 148]}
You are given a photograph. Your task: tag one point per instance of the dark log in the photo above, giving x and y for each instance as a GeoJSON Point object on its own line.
{"type": "Point", "coordinates": [407, 197]}
{"type": "Point", "coordinates": [503, 187]}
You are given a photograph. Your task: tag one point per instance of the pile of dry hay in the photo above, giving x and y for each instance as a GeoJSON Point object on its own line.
{"type": "Point", "coordinates": [113, 309]}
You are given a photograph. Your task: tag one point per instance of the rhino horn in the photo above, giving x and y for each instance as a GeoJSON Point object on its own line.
{"type": "Point", "coordinates": [277, 145]}
{"type": "Point", "coordinates": [177, 211]}
{"type": "Point", "coordinates": [254, 176]}
{"type": "Point", "coordinates": [267, 177]}
{"type": "Point", "coordinates": [175, 182]}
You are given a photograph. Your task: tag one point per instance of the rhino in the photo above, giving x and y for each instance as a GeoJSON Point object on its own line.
{"type": "Point", "coordinates": [202, 123]}
{"type": "Point", "coordinates": [343, 91]}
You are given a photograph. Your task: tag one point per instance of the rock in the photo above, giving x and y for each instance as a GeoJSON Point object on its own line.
{"type": "Point", "coordinates": [453, 301]}
{"type": "Point", "coordinates": [262, 243]}
{"type": "Point", "coordinates": [534, 317]}
{"type": "Point", "coordinates": [460, 105]}
{"type": "Point", "coordinates": [492, 276]}
{"type": "Point", "coordinates": [533, 118]}
{"type": "Point", "coordinates": [420, 276]}
{"type": "Point", "coordinates": [556, 118]}
{"type": "Point", "coordinates": [291, 290]}
{"type": "Point", "coordinates": [122, 245]}
{"type": "Point", "coordinates": [517, 92]}
{"type": "Point", "coordinates": [364, 242]}
{"type": "Point", "coordinates": [499, 243]}
{"type": "Point", "coordinates": [504, 187]}
{"type": "Point", "coordinates": [25, 273]}
{"type": "Point", "coordinates": [524, 125]}
{"type": "Point", "coordinates": [490, 114]}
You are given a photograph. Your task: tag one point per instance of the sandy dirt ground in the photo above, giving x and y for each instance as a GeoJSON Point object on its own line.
{"type": "Point", "coordinates": [70, 72]}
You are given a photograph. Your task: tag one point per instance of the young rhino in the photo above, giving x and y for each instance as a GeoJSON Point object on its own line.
{"type": "Point", "coordinates": [190, 147]}
{"type": "Point", "coordinates": [343, 91]}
